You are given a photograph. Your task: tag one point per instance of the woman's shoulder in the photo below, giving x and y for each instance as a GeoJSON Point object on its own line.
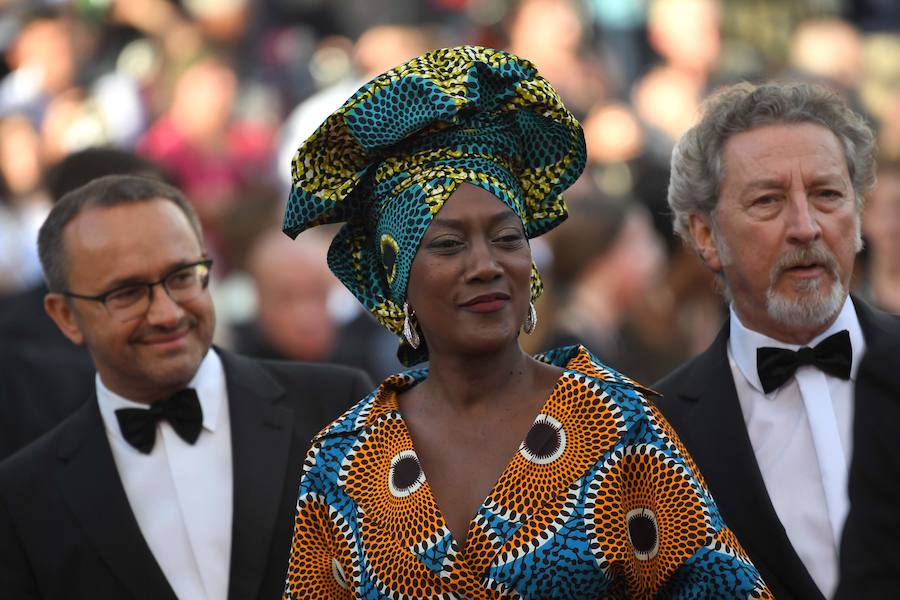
{"type": "Point", "coordinates": [581, 361]}
{"type": "Point", "coordinates": [375, 405]}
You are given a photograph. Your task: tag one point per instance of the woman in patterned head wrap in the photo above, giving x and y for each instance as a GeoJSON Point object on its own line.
{"type": "Point", "coordinates": [548, 476]}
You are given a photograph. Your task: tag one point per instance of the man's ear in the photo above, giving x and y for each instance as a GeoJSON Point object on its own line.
{"type": "Point", "coordinates": [60, 311]}
{"type": "Point", "coordinates": [701, 229]}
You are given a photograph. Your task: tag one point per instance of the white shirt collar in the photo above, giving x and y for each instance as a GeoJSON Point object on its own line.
{"type": "Point", "coordinates": [208, 381]}
{"type": "Point", "coordinates": [743, 342]}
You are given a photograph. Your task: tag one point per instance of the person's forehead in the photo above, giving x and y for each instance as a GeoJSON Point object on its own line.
{"type": "Point", "coordinates": [772, 146]}
{"type": "Point", "coordinates": [129, 220]}
{"type": "Point", "coordinates": [131, 238]}
{"type": "Point", "coordinates": [468, 199]}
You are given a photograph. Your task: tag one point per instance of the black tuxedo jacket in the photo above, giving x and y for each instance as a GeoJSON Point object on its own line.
{"type": "Point", "coordinates": [870, 552]}
{"type": "Point", "coordinates": [40, 385]}
{"type": "Point", "coordinates": [700, 401]}
{"type": "Point", "coordinates": [67, 530]}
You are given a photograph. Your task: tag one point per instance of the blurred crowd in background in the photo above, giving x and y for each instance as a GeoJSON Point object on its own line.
{"type": "Point", "coordinates": [220, 93]}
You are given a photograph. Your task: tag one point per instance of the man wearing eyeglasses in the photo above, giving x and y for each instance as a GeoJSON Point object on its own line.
{"type": "Point", "coordinates": [180, 479]}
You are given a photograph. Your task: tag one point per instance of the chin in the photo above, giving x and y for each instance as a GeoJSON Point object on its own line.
{"type": "Point", "coordinates": [177, 370]}
{"type": "Point", "coordinates": [809, 308]}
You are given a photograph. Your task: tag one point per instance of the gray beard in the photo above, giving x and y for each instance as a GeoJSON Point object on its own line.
{"type": "Point", "coordinates": [816, 306]}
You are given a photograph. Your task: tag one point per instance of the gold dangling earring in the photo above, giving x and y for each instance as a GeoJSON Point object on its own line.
{"type": "Point", "coordinates": [410, 326]}
{"type": "Point", "coordinates": [530, 319]}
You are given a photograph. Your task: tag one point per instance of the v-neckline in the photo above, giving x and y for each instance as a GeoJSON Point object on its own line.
{"type": "Point", "coordinates": [392, 400]}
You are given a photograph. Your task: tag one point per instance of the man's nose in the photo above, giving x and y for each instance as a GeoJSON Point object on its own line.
{"type": "Point", "coordinates": [803, 224]}
{"type": "Point", "coordinates": [163, 310]}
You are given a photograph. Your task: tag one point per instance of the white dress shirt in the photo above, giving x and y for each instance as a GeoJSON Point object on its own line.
{"type": "Point", "coordinates": [801, 436]}
{"type": "Point", "coordinates": [181, 494]}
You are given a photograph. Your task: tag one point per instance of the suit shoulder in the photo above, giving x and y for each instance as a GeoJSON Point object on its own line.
{"type": "Point", "coordinates": [33, 460]}
{"type": "Point", "coordinates": [669, 384]}
{"type": "Point", "coordinates": [312, 376]}
{"type": "Point", "coordinates": [314, 371]}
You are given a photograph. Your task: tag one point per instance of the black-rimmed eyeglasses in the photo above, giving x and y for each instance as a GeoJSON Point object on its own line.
{"type": "Point", "coordinates": [132, 301]}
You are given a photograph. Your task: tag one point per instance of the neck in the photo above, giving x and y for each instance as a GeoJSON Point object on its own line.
{"type": "Point", "coordinates": [795, 334]}
{"type": "Point", "coordinates": [142, 395]}
{"type": "Point", "coordinates": [466, 382]}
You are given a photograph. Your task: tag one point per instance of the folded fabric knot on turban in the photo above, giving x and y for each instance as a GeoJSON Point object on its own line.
{"type": "Point", "coordinates": [387, 160]}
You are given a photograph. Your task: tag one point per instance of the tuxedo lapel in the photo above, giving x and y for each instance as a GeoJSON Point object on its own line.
{"type": "Point", "coordinates": [713, 429]}
{"type": "Point", "coordinates": [91, 486]}
{"type": "Point", "coordinates": [261, 434]}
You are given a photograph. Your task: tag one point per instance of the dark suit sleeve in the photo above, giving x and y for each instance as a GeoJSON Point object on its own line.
{"type": "Point", "coordinates": [870, 551]}
{"type": "Point", "coordinates": [16, 578]}
{"type": "Point", "coordinates": [361, 387]}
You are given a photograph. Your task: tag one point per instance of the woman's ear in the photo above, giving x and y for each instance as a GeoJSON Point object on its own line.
{"type": "Point", "coordinates": [60, 310]}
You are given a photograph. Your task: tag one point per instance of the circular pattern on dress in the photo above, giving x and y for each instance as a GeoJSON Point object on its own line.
{"type": "Point", "coordinates": [324, 561]}
{"type": "Point", "coordinates": [337, 571]}
{"type": "Point", "coordinates": [405, 475]}
{"type": "Point", "coordinates": [643, 532]}
{"type": "Point", "coordinates": [545, 441]}
{"type": "Point", "coordinates": [633, 484]}
{"type": "Point", "coordinates": [389, 252]}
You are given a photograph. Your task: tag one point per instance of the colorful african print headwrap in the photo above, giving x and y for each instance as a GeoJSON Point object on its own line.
{"type": "Point", "coordinates": [387, 160]}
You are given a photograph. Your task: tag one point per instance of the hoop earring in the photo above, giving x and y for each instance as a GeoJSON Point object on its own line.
{"type": "Point", "coordinates": [530, 319]}
{"type": "Point", "coordinates": [410, 326]}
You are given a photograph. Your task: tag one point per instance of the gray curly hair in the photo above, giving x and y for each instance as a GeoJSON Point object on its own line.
{"type": "Point", "coordinates": [696, 168]}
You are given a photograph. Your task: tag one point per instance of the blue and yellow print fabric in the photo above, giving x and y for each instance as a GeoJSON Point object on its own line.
{"type": "Point", "coordinates": [388, 159]}
{"type": "Point", "coordinates": [600, 501]}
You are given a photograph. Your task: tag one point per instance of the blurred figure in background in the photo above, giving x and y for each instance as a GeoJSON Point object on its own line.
{"type": "Point", "coordinates": [828, 51]}
{"type": "Point", "coordinates": [23, 204]}
{"type": "Point", "coordinates": [551, 34]}
{"type": "Point", "coordinates": [210, 154]}
{"type": "Point", "coordinates": [605, 257]}
{"type": "Point", "coordinates": [686, 35]}
{"type": "Point", "coordinates": [300, 312]}
{"type": "Point", "coordinates": [881, 227]}
{"type": "Point", "coordinates": [292, 283]}
{"type": "Point", "coordinates": [42, 62]}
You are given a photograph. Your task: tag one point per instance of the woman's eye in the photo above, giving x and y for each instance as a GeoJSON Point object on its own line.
{"type": "Point", "coordinates": [445, 243]}
{"type": "Point", "coordinates": [510, 238]}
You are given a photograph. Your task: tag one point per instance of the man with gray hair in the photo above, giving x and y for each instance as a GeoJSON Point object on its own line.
{"type": "Point", "coordinates": [768, 188]}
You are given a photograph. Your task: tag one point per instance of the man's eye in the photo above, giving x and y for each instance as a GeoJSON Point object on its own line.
{"type": "Point", "coordinates": [126, 296]}
{"type": "Point", "coordinates": [182, 278]}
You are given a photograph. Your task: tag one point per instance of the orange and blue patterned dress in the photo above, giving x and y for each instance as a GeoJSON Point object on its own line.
{"type": "Point", "coordinates": [600, 501]}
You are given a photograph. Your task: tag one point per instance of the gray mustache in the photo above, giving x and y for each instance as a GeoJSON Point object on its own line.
{"type": "Point", "coordinates": [804, 256]}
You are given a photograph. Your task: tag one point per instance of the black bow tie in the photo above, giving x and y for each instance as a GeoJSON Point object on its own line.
{"type": "Point", "coordinates": [182, 411]}
{"type": "Point", "coordinates": [833, 355]}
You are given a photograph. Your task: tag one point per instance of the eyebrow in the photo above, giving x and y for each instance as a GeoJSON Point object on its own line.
{"type": "Point", "coordinates": [133, 280]}
{"type": "Point", "coordinates": [774, 182]}
{"type": "Point", "coordinates": [506, 215]}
